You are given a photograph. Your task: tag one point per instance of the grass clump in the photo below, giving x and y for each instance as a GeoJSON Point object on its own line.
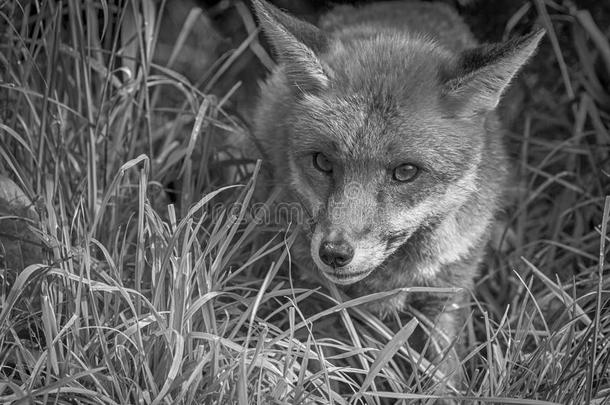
{"type": "Point", "coordinates": [134, 271]}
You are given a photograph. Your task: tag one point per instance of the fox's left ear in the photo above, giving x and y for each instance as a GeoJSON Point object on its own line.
{"type": "Point", "coordinates": [484, 73]}
{"type": "Point", "coordinates": [296, 44]}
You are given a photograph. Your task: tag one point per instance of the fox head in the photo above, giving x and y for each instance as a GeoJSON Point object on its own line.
{"type": "Point", "coordinates": [379, 133]}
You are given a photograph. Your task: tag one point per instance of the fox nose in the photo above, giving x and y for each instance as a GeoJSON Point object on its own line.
{"type": "Point", "coordinates": [336, 253]}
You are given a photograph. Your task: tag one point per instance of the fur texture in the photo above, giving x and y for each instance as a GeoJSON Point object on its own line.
{"type": "Point", "coordinates": [372, 89]}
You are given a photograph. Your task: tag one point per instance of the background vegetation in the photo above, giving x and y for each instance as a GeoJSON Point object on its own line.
{"type": "Point", "coordinates": [128, 276]}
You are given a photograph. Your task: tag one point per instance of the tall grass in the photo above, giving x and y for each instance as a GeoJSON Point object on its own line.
{"type": "Point", "coordinates": [152, 281]}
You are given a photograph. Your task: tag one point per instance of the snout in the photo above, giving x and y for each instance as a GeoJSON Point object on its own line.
{"type": "Point", "coordinates": [343, 259]}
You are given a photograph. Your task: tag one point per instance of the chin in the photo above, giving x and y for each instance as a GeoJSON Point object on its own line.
{"type": "Point", "coordinates": [344, 276]}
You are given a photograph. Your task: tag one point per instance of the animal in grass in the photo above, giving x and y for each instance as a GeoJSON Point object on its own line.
{"type": "Point", "coordinates": [380, 122]}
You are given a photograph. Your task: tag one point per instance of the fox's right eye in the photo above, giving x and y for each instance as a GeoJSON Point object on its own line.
{"type": "Point", "coordinates": [322, 163]}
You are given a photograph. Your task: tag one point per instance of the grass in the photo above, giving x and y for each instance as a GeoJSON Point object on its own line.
{"type": "Point", "coordinates": [136, 273]}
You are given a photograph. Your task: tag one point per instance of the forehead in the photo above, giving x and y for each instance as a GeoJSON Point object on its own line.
{"type": "Point", "coordinates": [369, 128]}
{"type": "Point", "coordinates": [406, 69]}
{"type": "Point", "coordinates": [377, 86]}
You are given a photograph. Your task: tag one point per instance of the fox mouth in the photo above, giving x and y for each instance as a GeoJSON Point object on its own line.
{"type": "Point", "coordinates": [366, 259]}
{"type": "Point", "coordinates": [343, 277]}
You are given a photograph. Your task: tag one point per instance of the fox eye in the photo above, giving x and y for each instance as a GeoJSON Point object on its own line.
{"type": "Point", "coordinates": [322, 163]}
{"type": "Point", "coordinates": [405, 173]}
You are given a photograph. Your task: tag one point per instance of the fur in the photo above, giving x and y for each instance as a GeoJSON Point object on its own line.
{"type": "Point", "coordinates": [373, 88]}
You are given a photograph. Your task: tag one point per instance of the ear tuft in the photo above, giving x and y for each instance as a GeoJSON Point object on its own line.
{"type": "Point", "coordinates": [484, 73]}
{"type": "Point", "coordinates": [296, 44]}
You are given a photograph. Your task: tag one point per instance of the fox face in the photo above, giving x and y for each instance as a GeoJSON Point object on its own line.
{"type": "Point", "coordinates": [381, 134]}
{"type": "Point", "coordinates": [372, 172]}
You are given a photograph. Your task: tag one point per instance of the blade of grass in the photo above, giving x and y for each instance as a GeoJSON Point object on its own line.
{"type": "Point", "coordinates": [598, 303]}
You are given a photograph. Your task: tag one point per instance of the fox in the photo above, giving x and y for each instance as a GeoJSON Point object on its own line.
{"type": "Point", "coordinates": [381, 123]}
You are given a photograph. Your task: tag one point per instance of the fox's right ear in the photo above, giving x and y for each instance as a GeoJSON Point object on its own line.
{"type": "Point", "coordinates": [295, 44]}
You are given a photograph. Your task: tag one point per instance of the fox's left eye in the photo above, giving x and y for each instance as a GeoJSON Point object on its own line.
{"type": "Point", "coordinates": [405, 173]}
{"type": "Point", "coordinates": [321, 162]}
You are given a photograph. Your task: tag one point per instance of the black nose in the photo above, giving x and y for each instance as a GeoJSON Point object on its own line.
{"type": "Point", "coordinates": [336, 253]}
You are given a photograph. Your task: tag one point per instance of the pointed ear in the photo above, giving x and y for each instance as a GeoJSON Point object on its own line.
{"type": "Point", "coordinates": [295, 44]}
{"type": "Point", "coordinates": [484, 73]}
